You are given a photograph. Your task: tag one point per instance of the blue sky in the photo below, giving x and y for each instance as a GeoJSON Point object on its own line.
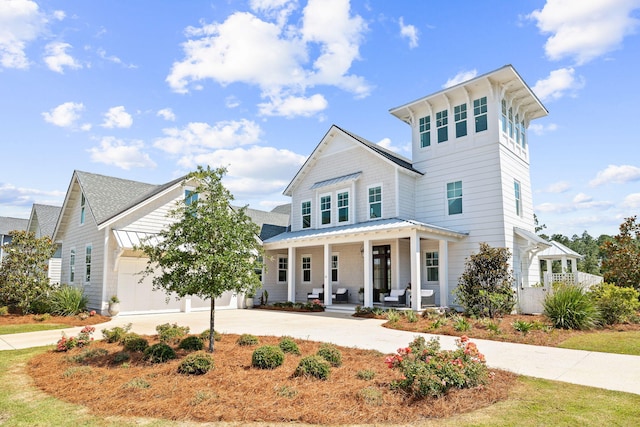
{"type": "Point", "coordinates": [147, 90]}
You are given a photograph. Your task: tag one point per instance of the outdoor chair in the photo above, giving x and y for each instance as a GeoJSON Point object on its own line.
{"type": "Point", "coordinates": [341, 296]}
{"type": "Point", "coordinates": [396, 297]}
{"type": "Point", "coordinates": [316, 293]}
{"type": "Point", "coordinates": [427, 298]}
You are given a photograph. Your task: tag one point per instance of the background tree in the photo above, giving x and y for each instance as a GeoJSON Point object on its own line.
{"type": "Point", "coordinates": [23, 274]}
{"type": "Point", "coordinates": [621, 263]}
{"type": "Point", "coordinates": [209, 249]}
{"type": "Point", "coordinates": [485, 287]}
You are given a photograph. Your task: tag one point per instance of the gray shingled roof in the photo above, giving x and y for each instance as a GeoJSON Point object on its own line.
{"type": "Point", "coordinates": [108, 196]}
{"type": "Point", "coordinates": [271, 223]}
{"type": "Point", "coordinates": [9, 224]}
{"type": "Point", "coordinates": [283, 209]}
{"type": "Point", "coordinates": [46, 217]}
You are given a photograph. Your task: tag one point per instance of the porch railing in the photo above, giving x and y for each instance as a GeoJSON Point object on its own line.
{"type": "Point", "coordinates": [585, 280]}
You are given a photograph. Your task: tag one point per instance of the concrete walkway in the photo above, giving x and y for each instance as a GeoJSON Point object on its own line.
{"type": "Point", "coordinates": [602, 370]}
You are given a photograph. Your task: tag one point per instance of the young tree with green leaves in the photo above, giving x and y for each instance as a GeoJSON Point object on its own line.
{"type": "Point", "coordinates": [485, 287]}
{"type": "Point", "coordinates": [621, 263]}
{"type": "Point", "coordinates": [23, 274]}
{"type": "Point", "coordinates": [209, 248]}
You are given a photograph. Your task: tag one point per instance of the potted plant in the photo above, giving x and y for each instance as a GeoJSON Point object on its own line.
{"type": "Point", "coordinates": [361, 295]}
{"type": "Point", "coordinates": [249, 299]}
{"type": "Point", "coordinates": [114, 305]}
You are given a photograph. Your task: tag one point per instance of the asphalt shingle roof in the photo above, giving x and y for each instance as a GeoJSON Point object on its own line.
{"type": "Point", "coordinates": [9, 224]}
{"type": "Point", "coordinates": [46, 217]}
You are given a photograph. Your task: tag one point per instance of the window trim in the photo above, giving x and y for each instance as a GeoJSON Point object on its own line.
{"type": "Point", "coordinates": [480, 111]}
{"type": "Point", "coordinates": [442, 125]}
{"type": "Point", "coordinates": [424, 131]}
{"type": "Point", "coordinates": [460, 119]}
{"type": "Point", "coordinates": [321, 211]}
{"type": "Point", "coordinates": [302, 214]}
{"type": "Point", "coordinates": [72, 265]}
{"type": "Point", "coordinates": [369, 203]}
{"type": "Point", "coordinates": [305, 267]}
{"type": "Point", "coordinates": [87, 264]}
{"type": "Point", "coordinates": [335, 267]}
{"type": "Point", "coordinates": [284, 258]}
{"type": "Point", "coordinates": [83, 212]}
{"type": "Point", "coordinates": [432, 266]}
{"type": "Point", "coordinates": [517, 190]}
{"type": "Point", "coordinates": [348, 206]}
{"type": "Point", "coordinates": [454, 197]}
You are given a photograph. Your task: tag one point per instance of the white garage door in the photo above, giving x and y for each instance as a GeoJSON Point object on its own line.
{"type": "Point", "coordinates": [140, 297]}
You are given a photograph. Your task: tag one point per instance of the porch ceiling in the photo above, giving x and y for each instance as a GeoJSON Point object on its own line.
{"type": "Point", "coordinates": [391, 227]}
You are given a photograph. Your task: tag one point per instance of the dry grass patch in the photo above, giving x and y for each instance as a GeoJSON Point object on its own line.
{"type": "Point", "coordinates": [236, 392]}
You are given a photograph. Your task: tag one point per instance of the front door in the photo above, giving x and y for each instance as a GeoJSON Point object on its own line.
{"type": "Point", "coordinates": [381, 271]}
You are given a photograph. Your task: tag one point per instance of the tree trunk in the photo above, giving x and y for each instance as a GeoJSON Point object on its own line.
{"type": "Point", "coordinates": [212, 317]}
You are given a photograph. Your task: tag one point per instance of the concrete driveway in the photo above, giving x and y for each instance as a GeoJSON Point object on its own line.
{"type": "Point", "coordinates": [603, 370]}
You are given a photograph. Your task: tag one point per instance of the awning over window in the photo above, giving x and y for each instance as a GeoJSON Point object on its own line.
{"type": "Point", "coordinates": [337, 180]}
{"type": "Point", "coordinates": [129, 239]}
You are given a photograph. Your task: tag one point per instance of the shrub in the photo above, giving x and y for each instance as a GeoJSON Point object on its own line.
{"type": "Point", "coordinates": [137, 383]}
{"type": "Point", "coordinates": [134, 343]}
{"type": "Point", "coordinates": [568, 307]}
{"type": "Point", "coordinates": [366, 374]}
{"type": "Point", "coordinates": [522, 326]}
{"type": "Point", "coordinates": [4, 310]}
{"type": "Point", "coordinates": [492, 326]}
{"type": "Point", "coordinates": [191, 344]}
{"type": "Point", "coordinates": [267, 357]}
{"type": "Point", "coordinates": [484, 289]}
{"type": "Point", "coordinates": [288, 345]}
{"type": "Point", "coordinates": [313, 366]}
{"type": "Point", "coordinates": [286, 391]}
{"type": "Point", "coordinates": [159, 353]}
{"type": "Point", "coordinates": [247, 339]}
{"type": "Point", "coordinates": [121, 357]}
{"type": "Point", "coordinates": [88, 354]}
{"type": "Point", "coordinates": [116, 334]}
{"type": "Point", "coordinates": [371, 396]}
{"type": "Point", "coordinates": [430, 372]}
{"type": "Point", "coordinates": [393, 316]}
{"type": "Point", "coordinates": [204, 336]}
{"type": "Point", "coordinates": [171, 333]}
{"type": "Point", "coordinates": [67, 301]}
{"type": "Point", "coordinates": [41, 317]}
{"type": "Point", "coordinates": [411, 316]}
{"type": "Point", "coordinates": [331, 354]}
{"type": "Point", "coordinates": [461, 324]}
{"type": "Point", "coordinates": [198, 363]}
{"type": "Point", "coordinates": [616, 304]}
{"type": "Point", "coordinates": [83, 339]}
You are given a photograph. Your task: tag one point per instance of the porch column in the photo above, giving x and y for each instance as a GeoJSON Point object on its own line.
{"type": "Point", "coordinates": [327, 275]}
{"type": "Point", "coordinates": [549, 271]}
{"type": "Point", "coordinates": [291, 275]}
{"type": "Point", "coordinates": [443, 271]}
{"type": "Point", "coordinates": [368, 276]}
{"type": "Point", "coordinates": [563, 261]}
{"type": "Point", "coordinates": [574, 265]}
{"type": "Point", "coordinates": [416, 271]}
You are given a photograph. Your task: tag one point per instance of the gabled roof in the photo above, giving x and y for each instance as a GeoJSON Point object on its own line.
{"type": "Point", "coordinates": [9, 224]}
{"type": "Point", "coordinates": [270, 223]}
{"type": "Point", "coordinates": [283, 209]}
{"type": "Point", "coordinates": [386, 155]}
{"type": "Point", "coordinates": [558, 251]}
{"type": "Point", "coordinates": [506, 78]}
{"type": "Point", "coordinates": [43, 219]}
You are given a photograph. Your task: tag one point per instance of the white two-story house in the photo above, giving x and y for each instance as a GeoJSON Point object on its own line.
{"type": "Point", "coordinates": [365, 217]}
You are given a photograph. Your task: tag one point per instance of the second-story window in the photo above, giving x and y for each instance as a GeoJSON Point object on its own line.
{"type": "Point", "coordinates": [375, 202]}
{"type": "Point", "coordinates": [460, 117]}
{"type": "Point", "coordinates": [325, 209]}
{"type": "Point", "coordinates": [523, 137]}
{"type": "Point", "coordinates": [454, 197]}
{"type": "Point", "coordinates": [503, 117]}
{"type": "Point", "coordinates": [190, 197]}
{"type": "Point", "coordinates": [306, 214]}
{"type": "Point", "coordinates": [510, 123]}
{"type": "Point", "coordinates": [442, 122]}
{"type": "Point", "coordinates": [83, 202]}
{"type": "Point", "coordinates": [425, 131]}
{"type": "Point", "coordinates": [480, 113]}
{"type": "Point", "coordinates": [343, 206]}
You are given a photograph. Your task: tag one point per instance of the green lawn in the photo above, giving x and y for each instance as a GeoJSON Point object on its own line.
{"type": "Point", "coordinates": [29, 327]}
{"type": "Point", "coordinates": [606, 342]}
{"type": "Point", "coordinates": [533, 402]}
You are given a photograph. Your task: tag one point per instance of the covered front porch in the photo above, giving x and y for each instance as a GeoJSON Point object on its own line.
{"type": "Point", "coordinates": [368, 260]}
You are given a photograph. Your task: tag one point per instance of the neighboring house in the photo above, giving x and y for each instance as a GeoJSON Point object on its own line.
{"type": "Point", "coordinates": [7, 225]}
{"type": "Point", "coordinates": [365, 217]}
{"type": "Point", "coordinates": [101, 221]}
{"type": "Point", "coordinates": [42, 222]}
{"type": "Point", "coordinates": [568, 259]}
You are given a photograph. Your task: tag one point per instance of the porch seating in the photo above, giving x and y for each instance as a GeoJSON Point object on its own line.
{"type": "Point", "coordinates": [341, 296]}
{"type": "Point", "coordinates": [427, 298]}
{"type": "Point", "coordinates": [316, 293]}
{"type": "Point", "coordinates": [396, 297]}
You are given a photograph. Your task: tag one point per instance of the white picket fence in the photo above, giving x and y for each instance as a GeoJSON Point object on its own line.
{"type": "Point", "coordinates": [531, 299]}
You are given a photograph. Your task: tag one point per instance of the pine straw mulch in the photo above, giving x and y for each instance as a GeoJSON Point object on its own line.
{"type": "Point", "coordinates": [235, 391]}
{"type": "Point", "coordinates": [16, 319]}
{"type": "Point", "coordinates": [541, 334]}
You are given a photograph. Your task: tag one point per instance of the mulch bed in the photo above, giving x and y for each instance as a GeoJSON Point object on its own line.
{"type": "Point", "coordinates": [15, 319]}
{"type": "Point", "coordinates": [236, 392]}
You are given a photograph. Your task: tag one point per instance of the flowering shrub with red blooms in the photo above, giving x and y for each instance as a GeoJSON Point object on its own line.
{"type": "Point", "coordinates": [83, 339]}
{"type": "Point", "coordinates": [92, 313]}
{"type": "Point", "coordinates": [429, 371]}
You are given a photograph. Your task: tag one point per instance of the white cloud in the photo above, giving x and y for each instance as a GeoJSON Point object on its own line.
{"type": "Point", "coordinates": [112, 151]}
{"type": "Point", "coordinates": [386, 143]}
{"type": "Point", "coordinates": [558, 187]}
{"type": "Point", "coordinates": [582, 198]}
{"type": "Point", "coordinates": [10, 195]}
{"type": "Point", "coordinates": [117, 117]}
{"type": "Point", "coordinates": [292, 106]}
{"type": "Point", "coordinates": [112, 58]}
{"type": "Point", "coordinates": [56, 57]}
{"type": "Point", "coordinates": [167, 114]}
{"type": "Point", "coordinates": [580, 203]}
{"type": "Point", "coordinates": [585, 30]}
{"type": "Point", "coordinates": [64, 115]}
{"type": "Point", "coordinates": [540, 130]}
{"type": "Point", "coordinates": [462, 76]}
{"type": "Point", "coordinates": [21, 22]}
{"type": "Point", "coordinates": [410, 32]}
{"type": "Point", "coordinates": [231, 102]}
{"type": "Point", "coordinates": [632, 201]}
{"type": "Point", "coordinates": [558, 83]}
{"type": "Point", "coordinates": [616, 175]}
{"type": "Point", "coordinates": [197, 138]}
{"type": "Point", "coordinates": [275, 56]}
